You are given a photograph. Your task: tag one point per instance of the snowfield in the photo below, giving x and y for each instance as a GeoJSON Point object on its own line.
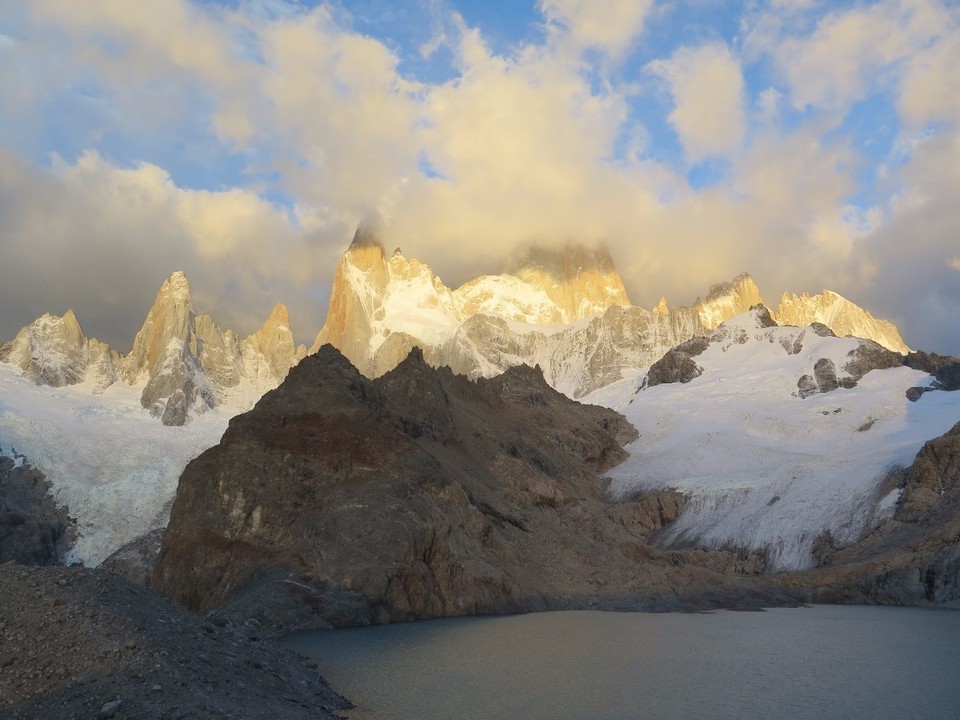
{"type": "Point", "coordinates": [764, 469]}
{"type": "Point", "coordinates": [113, 465]}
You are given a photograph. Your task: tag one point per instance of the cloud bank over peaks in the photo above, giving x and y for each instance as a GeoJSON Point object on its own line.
{"type": "Point", "coordinates": [811, 143]}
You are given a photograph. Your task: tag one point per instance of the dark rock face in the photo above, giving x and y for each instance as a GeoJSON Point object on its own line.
{"type": "Point", "coordinates": [871, 356]}
{"type": "Point", "coordinates": [340, 500]}
{"type": "Point", "coordinates": [136, 559]}
{"type": "Point", "coordinates": [935, 472]}
{"type": "Point", "coordinates": [764, 318]}
{"type": "Point", "coordinates": [824, 379]}
{"type": "Point", "coordinates": [867, 356]}
{"type": "Point", "coordinates": [945, 368]}
{"type": "Point", "coordinates": [33, 530]}
{"type": "Point", "coordinates": [678, 365]}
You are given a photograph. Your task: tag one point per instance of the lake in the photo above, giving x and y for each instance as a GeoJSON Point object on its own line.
{"type": "Point", "coordinates": [799, 663]}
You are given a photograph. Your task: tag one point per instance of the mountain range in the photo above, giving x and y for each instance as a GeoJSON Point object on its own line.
{"type": "Point", "coordinates": [565, 310]}
{"type": "Point", "coordinates": [748, 414]}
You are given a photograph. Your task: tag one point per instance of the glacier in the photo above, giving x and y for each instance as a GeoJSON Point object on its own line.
{"type": "Point", "coordinates": [108, 460]}
{"type": "Point", "coordinates": [764, 469]}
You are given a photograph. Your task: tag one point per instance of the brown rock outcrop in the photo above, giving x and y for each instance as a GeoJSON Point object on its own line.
{"type": "Point", "coordinates": [421, 494]}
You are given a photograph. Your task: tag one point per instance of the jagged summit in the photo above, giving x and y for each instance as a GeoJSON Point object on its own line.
{"type": "Point", "coordinates": [53, 350]}
{"type": "Point", "coordinates": [580, 280]}
{"type": "Point", "coordinates": [840, 315]}
{"type": "Point", "coordinates": [366, 236]}
{"type": "Point", "coordinates": [728, 299]}
{"type": "Point", "coordinates": [562, 307]}
{"type": "Point", "coordinates": [184, 362]}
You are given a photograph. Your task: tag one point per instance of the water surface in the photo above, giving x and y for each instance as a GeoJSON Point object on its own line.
{"type": "Point", "coordinates": [789, 664]}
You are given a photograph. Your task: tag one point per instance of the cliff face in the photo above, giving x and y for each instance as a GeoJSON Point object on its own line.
{"type": "Point", "coordinates": [188, 363]}
{"type": "Point", "coordinates": [841, 316]}
{"type": "Point", "coordinates": [420, 494]}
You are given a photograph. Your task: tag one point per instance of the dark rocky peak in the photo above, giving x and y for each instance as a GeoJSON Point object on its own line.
{"type": "Point", "coordinates": [421, 396]}
{"type": "Point", "coordinates": [677, 365]}
{"type": "Point", "coordinates": [945, 368]}
{"type": "Point", "coordinates": [762, 313]}
{"type": "Point", "coordinates": [367, 235]}
{"type": "Point", "coordinates": [322, 382]}
{"type": "Point", "coordinates": [523, 384]}
{"type": "Point", "coordinates": [822, 330]}
{"type": "Point", "coordinates": [419, 494]}
{"type": "Point", "coordinates": [869, 355]}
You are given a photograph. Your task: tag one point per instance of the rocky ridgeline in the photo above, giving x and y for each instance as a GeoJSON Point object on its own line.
{"type": "Point", "coordinates": [344, 500]}
{"type": "Point", "coordinates": [563, 309]}
{"type": "Point", "coordinates": [183, 361]}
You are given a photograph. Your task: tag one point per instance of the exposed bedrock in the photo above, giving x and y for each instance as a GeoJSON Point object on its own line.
{"type": "Point", "coordinates": [342, 500]}
{"type": "Point", "coordinates": [33, 529]}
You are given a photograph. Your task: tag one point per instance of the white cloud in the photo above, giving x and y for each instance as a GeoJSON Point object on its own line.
{"type": "Point", "coordinates": [609, 25]}
{"type": "Point", "coordinates": [101, 239]}
{"type": "Point", "coordinates": [855, 51]}
{"type": "Point", "coordinates": [541, 143]}
{"type": "Point", "coordinates": [708, 92]}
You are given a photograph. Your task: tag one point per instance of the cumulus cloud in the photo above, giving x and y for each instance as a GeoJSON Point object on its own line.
{"type": "Point", "coordinates": [707, 88]}
{"type": "Point", "coordinates": [853, 52]}
{"type": "Point", "coordinates": [101, 239]}
{"type": "Point", "coordinates": [607, 25]}
{"type": "Point", "coordinates": [916, 280]}
{"type": "Point", "coordinates": [553, 140]}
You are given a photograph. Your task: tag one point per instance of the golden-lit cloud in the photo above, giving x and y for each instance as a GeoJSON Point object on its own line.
{"type": "Point", "coordinates": [609, 25]}
{"type": "Point", "coordinates": [546, 140]}
{"type": "Point", "coordinates": [707, 88]}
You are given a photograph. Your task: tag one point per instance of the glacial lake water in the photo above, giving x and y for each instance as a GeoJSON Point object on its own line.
{"type": "Point", "coordinates": [833, 662]}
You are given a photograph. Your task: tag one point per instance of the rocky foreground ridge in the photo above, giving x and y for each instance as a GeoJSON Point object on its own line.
{"type": "Point", "coordinates": [81, 643]}
{"type": "Point", "coordinates": [344, 500]}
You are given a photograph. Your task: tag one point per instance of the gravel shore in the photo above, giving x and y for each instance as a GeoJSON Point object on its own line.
{"type": "Point", "coordinates": [82, 643]}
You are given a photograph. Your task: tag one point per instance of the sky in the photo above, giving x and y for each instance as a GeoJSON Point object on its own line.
{"type": "Point", "coordinates": [812, 144]}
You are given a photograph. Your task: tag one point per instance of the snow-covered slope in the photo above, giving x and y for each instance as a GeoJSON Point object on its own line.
{"type": "Point", "coordinates": [108, 460]}
{"type": "Point", "coordinates": [764, 468]}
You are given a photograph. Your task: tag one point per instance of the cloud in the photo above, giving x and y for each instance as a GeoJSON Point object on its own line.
{"type": "Point", "coordinates": [708, 92]}
{"type": "Point", "coordinates": [852, 53]}
{"type": "Point", "coordinates": [100, 239]}
{"type": "Point", "coordinates": [916, 280]}
{"type": "Point", "coordinates": [607, 25]}
{"type": "Point", "coordinates": [243, 146]}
